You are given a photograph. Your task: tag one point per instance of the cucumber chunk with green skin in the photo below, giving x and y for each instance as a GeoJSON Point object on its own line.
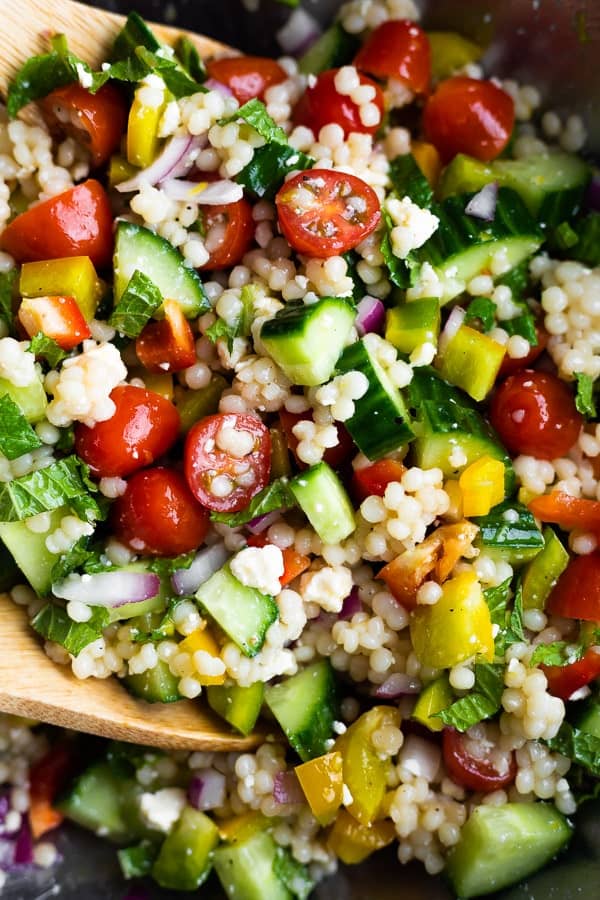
{"type": "Point", "coordinates": [139, 248]}
{"type": "Point", "coordinates": [509, 532]}
{"type": "Point", "coordinates": [334, 48]}
{"type": "Point", "coordinates": [411, 324]}
{"type": "Point", "coordinates": [306, 340]}
{"type": "Point", "coordinates": [589, 718]}
{"type": "Point", "coordinates": [325, 503]}
{"type": "Point", "coordinates": [243, 613]}
{"type": "Point", "coordinates": [240, 706]}
{"type": "Point", "coordinates": [542, 573]}
{"type": "Point", "coordinates": [499, 845]}
{"type": "Point", "coordinates": [97, 801]}
{"type": "Point", "coordinates": [185, 858]}
{"type": "Point", "coordinates": [306, 705]}
{"type": "Point", "coordinates": [31, 400]}
{"type": "Point", "coordinates": [246, 869]}
{"type": "Point", "coordinates": [29, 550]}
{"type": "Point", "coordinates": [156, 685]}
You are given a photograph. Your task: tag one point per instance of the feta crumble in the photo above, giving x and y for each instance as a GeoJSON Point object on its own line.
{"type": "Point", "coordinates": [412, 225]}
{"type": "Point", "coordinates": [260, 568]}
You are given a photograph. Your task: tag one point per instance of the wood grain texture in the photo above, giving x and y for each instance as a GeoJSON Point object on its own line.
{"type": "Point", "coordinates": [31, 685]}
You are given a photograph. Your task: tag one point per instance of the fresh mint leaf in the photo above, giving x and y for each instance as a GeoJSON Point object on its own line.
{"type": "Point", "coordinates": [292, 874]}
{"type": "Point", "coordinates": [266, 171]}
{"type": "Point", "coordinates": [42, 74]}
{"type": "Point", "coordinates": [400, 271]}
{"type": "Point", "coordinates": [518, 280]}
{"type": "Point", "coordinates": [515, 631]}
{"type": "Point", "coordinates": [41, 345]}
{"type": "Point", "coordinates": [497, 599]}
{"type": "Point", "coordinates": [164, 566]}
{"type": "Point", "coordinates": [53, 623]}
{"type": "Point", "coordinates": [407, 180]}
{"type": "Point", "coordinates": [63, 483]}
{"type": "Point", "coordinates": [584, 399]}
{"type": "Point", "coordinates": [523, 325]}
{"type": "Point", "coordinates": [135, 33]}
{"type": "Point", "coordinates": [16, 434]}
{"type": "Point", "coordinates": [482, 309]}
{"type": "Point", "coordinates": [579, 746]}
{"type": "Point", "coordinates": [81, 557]}
{"type": "Point", "coordinates": [190, 59]}
{"type": "Point", "coordinates": [482, 702]}
{"type": "Point", "coordinates": [66, 440]}
{"type": "Point", "coordinates": [276, 495]}
{"type": "Point", "coordinates": [139, 301]}
{"type": "Point", "coordinates": [241, 326]}
{"type": "Point", "coordinates": [558, 653]}
{"type": "Point", "coordinates": [7, 284]}
{"type": "Point", "coordinates": [564, 237]}
{"type": "Point", "coordinates": [161, 62]}
{"type": "Point", "coordinates": [163, 631]}
{"type": "Point", "coordinates": [254, 113]}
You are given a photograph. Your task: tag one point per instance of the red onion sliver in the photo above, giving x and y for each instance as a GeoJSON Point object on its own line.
{"type": "Point", "coordinates": [207, 789]}
{"type": "Point", "coordinates": [370, 316]}
{"type": "Point", "coordinates": [397, 685]}
{"type": "Point", "coordinates": [351, 605]}
{"type": "Point", "coordinates": [286, 788]}
{"type": "Point", "coordinates": [23, 845]}
{"type": "Point", "coordinates": [455, 320]}
{"type": "Point", "coordinates": [178, 156]}
{"type": "Point", "coordinates": [483, 204]}
{"type": "Point", "coordinates": [261, 523]}
{"type": "Point", "coordinates": [421, 757]}
{"type": "Point", "coordinates": [214, 193]}
{"type": "Point", "coordinates": [108, 589]}
{"type": "Point", "coordinates": [299, 32]}
{"type": "Point", "coordinates": [213, 85]}
{"type": "Point", "coordinates": [4, 807]}
{"type": "Point", "coordinates": [207, 561]}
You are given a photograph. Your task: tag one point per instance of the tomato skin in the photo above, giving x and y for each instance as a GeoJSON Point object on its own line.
{"type": "Point", "coordinates": [246, 76]}
{"type": "Point", "coordinates": [143, 427]}
{"type": "Point", "coordinates": [469, 771]}
{"type": "Point", "coordinates": [238, 233]}
{"type": "Point", "coordinates": [321, 227]}
{"type": "Point", "coordinates": [159, 515]}
{"type": "Point", "coordinates": [373, 479]}
{"type": "Point", "coordinates": [333, 456]}
{"type": "Point", "coordinates": [576, 594]}
{"type": "Point", "coordinates": [101, 117]}
{"type": "Point", "coordinates": [534, 413]}
{"type": "Point", "coordinates": [399, 49]}
{"type": "Point", "coordinates": [468, 115]}
{"type": "Point", "coordinates": [321, 104]}
{"type": "Point", "coordinates": [204, 460]}
{"type": "Point", "coordinates": [59, 318]}
{"type": "Point", "coordinates": [77, 222]}
{"type": "Point", "coordinates": [47, 778]}
{"type": "Point", "coordinates": [567, 511]}
{"type": "Point", "coordinates": [167, 345]}
{"type": "Point", "coordinates": [563, 681]}
{"type": "Point", "coordinates": [510, 366]}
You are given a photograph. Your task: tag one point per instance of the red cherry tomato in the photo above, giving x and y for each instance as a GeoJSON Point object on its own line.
{"type": "Point", "coordinates": [470, 762]}
{"type": "Point", "coordinates": [59, 318]}
{"type": "Point", "coordinates": [468, 115]}
{"type": "Point", "coordinates": [95, 120]}
{"type": "Point", "coordinates": [159, 515]}
{"type": "Point", "coordinates": [333, 456]}
{"type": "Point", "coordinates": [324, 213]}
{"type": "Point", "coordinates": [142, 428]}
{"type": "Point", "coordinates": [208, 457]}
{"type": "Point", "coordinates": [534, 413]}
{"type": "Point", "coordinates": [397, 49]}
{"type": "Point", "coordinates": [576, 594]}
{"type": "Point", "coordinates": [229, 233]}
{"type": "Point", "coordinates": [246, 76]}
{"type": "Point", "coordinates": [373, 479]}
{"type": "Point", "coordinates": [77, 222]}
{"type": "Point", "coordinates": [322, 104]}
{"type": "Point", "coordinates": [167, 345]}
{"type": "Point", "coordinates": [563, 681]}
{"type": "Point", "coordinates": [510, 366]}
{"type": "Point", "coordinates": [47, 778]}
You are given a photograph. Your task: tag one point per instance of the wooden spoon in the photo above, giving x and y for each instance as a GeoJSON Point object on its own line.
{"type": "Point", "coordinates": [31, 685]}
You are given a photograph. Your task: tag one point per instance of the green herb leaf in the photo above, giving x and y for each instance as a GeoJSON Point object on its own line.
{"type": "Point", "coordinates": [81, 557]}
{"type": "Point", "coordinates": [482, 702]}
{"type": "Point", "coordinates": [408, 180]}
{"type": "Point", "coordinates": [63, 483]}
{"type": "Point", "coordinates": [177, 81]}
{"type": "Point", "coordinates": [482, 309]}
{"type": "Point", "coordinates": [190, 59]}
{"type": "Point", "coordinates": [7, 284]}
{"type": "Point", "coordinates": [497, 599]}
{"type": "Point", "coordinates": [558, 653]}
{"type": "Point", "coordinates": [53, 623]}
{"type": "Point", "coordinates": [584, 399]}
{"type": "Point", "coordinates": [47, 347]}
{"type": "Point", "coordinates": [266, 171]}
{"type": "Point", "coordinates": [564, 236]}
{"type": "Point", "coordinates": [587, 248]}
{"type": "Point", "coordinates": [165, 628]}
{"type": "Point", "coordinates": [579, 746]}
{"type": "Point", "coordinates": [66, 440]}
{"type": "Point", "coordinates": [140, 299]}
{"type": "Point", "coordinates": [135, 33]}
{"type": "Point", "coordinates": [401, 271]}
{"type": "Point", "coordinates": [137, 861]}
{"type": "Point", "coordinates": [276, 495]}
{"type": "Point", "coordinates": [254, 113]}
{"type": "Point", "coordinates": [523, 325]}
{"type": "Point", "coordinates": [518, 280]}
{"type": "Point", "coordinates": [515, 631]}
{"type": "Point", "coordinates": [42, 74]}
{"type": "Point", "coordinates": [241, 326]}
{"type": "Point", "coordinates": [293, 874]}
{"type": "Point", "coordinates": [166, 565]}
{"type": "Point", "coordinates": [16, 434]}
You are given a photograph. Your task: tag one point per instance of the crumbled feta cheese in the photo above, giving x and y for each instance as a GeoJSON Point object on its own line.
{"type": "Point", "coordinates": [17, 365]}
{"type": "Point", "coordinates": [84, 75]}
{"type": "Point", "coordinates": [328, 587]}
{"type": "Point", "coordinates": [82, 388]}
{"type": "Point", "coordinates": [162, 809]}
{"type": "Point", "coordinates": [260, 568]}
{"type": "Point", "coordinates": [412, 225]}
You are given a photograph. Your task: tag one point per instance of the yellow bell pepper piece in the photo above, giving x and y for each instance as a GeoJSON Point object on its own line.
{"type": "Point", "coordinates": [365, 772]}
{"type": "Point", "coordinates": [238, 828]}
{"type": "Point", "coordinates": [455, 628]}
{"type": "Point", "coordinates": [353, 842]}
{"type": "Point", "coordinates": [455, 511]}
{"type": "Point", "coordinates": [471, 361]}
{"type": "Point", "coordinates": [437, 695]}
{"type": "Point", "coordinates": [73, 276]}
{"type": "Point", "coordinates": [202, 639]}
{"type": "Point", "coordinates": [428, 160]}
{"type": "Point", "coordinates": [482, 486]}
{"type": "Point", "coordinates": [322, 781]}
{"type": "Point", "coordinates": [119, 170]}
{"type": "Point", "coordinates": [142, 127]}
{"type": "Point", "coordinates": [449, 52]}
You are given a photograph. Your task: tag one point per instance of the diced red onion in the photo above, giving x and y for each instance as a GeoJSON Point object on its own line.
{"type": "Point", "coordinates": [207, 561]}
{"type": "Point", "coordinates": [213, 85]}
{"type": "Point", "coordinates": [592, 197]}
{"type": "Point", "coordinates": [207, 789]}
{"type": "Point", "coordinates": [421, 757]}
{"type": "Point", "coordinates": [4, 807]}
{"type": "Point", "coordinates": [23, 845]}
{"type": "Point", "coordinates": [483, 204]}
{"type": "Point", "coordinates": [398, 684]}
{"type": "Point", "coordinates": [214, 193]}
{"type": "Point", "coordinates": [370, 316]}
{"type": "Point", "coordinates": [261, 523]}
{"type": "Point", "coordinates": [286, 788]}
{"type": "Point", "coordinates": [299, 32]}
{"type": "Point", "coordinates": [351, 605]}
{"type": "Point", "coordinates": [455, 320]}
{"type": "Point", "coordinates": [175, 160]}
{"type": "Point", "coordinates": [108, 589]}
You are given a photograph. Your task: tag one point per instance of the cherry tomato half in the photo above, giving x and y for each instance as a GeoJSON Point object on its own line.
{"type": "Point", "coordinates": [576, 594]}
{"type": "Point", "coordinates": [322, 104]}
{"type": "Point", "coordinates": [167, 345]}
{"type": "Point", "coordinates": [477, 765]}
{"type": "Point", "coordinates": [563, 681]}
{"type": "Point", "coordinates": [142, 428]}
{"type": "Point", "coordinates": [373, 479]}
{"type": "Point", "coordinates": [219, 478]}
{"type": "Point", "coordinates": [324, 213]}
{"type": "Point", "coordinates": [534, 413]}
{"type": "Point", "coordinates": [77, 222]}
{"type": "Point", "coordinates": [159, 515]}
{"type": "Point", "coordinates": [229, 231]}
{"type": "Point", "coordinates": [469, 115]}
{"type": "Point", "coordinates": [397, 49]}
{"type": "Point", "coordinates": [47, 778]}
{"type": "Point", "coordinates": [246, 76]}
{"type": "Point", "coordinates": [511, 365]}
{"type": "Point", "coordinates": [95, 120]}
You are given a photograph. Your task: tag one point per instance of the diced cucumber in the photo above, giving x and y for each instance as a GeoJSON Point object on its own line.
{"type": "Point", "coordinates": [29, 551]}
{"type": "Point", "coordinates": [551, 184]}
{"type": "Point", "coordinates": [96, 801]}
{"type": "Point", "coordinates": [243, 613]}
{"type": "Point", "coordinates": [31, 400]}
{"type": "Point", "coordinates": [305, 705]}
{"type": "Point", "coordinates": [325, 503]}
{"type": "Point", "coordinates": [499, 845]}
{"type": "Point", "coordinates": [240, 706]}
{"type": "Point", "coordinates": [446, 421]}
{"type": "Point", "coordinates": [185, 858]}
{"type": "Point", "coordinates": [139, 248]}
{"type": "Point", "coordinates": [542, 573]}
{"type": "Point", "coordinates": [246, 869]}
{"type": "Point", "coordinates": [589, 718]}
{"type": "Point", "coordinates": [306, 340]}
{"type": "Point", "coordinates": [156, 685]}
{"type": "Point", "coordinates": [380, 423]}
{"type": "Point", "coordinates": [334, 48]}
{"type": "Point", "coordinates": [411, 324]}
{"type": "Point", "coordinates": [509, 532]}
{"type": "Point", "coordinates": [471, 360]}
{"type": "Point", "coordinates": [138, 607]}
{"type": "Point", "coordinates": [137, 861]}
